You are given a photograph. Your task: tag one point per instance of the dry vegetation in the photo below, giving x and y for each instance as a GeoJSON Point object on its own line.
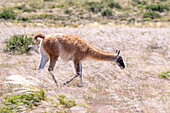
{"type": "Point", "coordinates": [74, 13]}
{"type": "Point", "coordinates": [137, 88]}
{"type": "Point", "coordinates": [143, 86]}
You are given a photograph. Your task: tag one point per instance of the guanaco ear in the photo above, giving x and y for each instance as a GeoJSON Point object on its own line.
{"type": "Point", "coordinates": [118, 52]}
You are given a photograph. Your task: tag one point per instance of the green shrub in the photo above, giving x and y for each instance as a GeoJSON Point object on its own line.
{"type": "Point", "coordinates": [43, 16]}
{"type": "Point", "coordinates": [19, 43]}
{"type": "Point", "coordinates": [107, 12]}
{"type": "Point", "coordinates": [7, 14]}
{"type": "Point", "coordinates": [151, 15]}
{"type": "Point", "coordinates": [113, 4]}
{"type": "Point", "coordinates": [49, 0]}
{"type": "Point", "coordinates": [131, 20]}
{"type": "Point", "coordinates": [94, 6]}
{"type": "Point", "coordinates": [29, 10]}
{"type": "Point", "coordinates": [23, 19]}
{"type": "Point", "coordinates": [21, 102]}
{"type": "Point", "coordinates": [140, 2]}
{"type": "Point", "coordinates": [67, 11]}
{"type": "Point", "coordinates": [36, 5]}
{"type": "Point", "coordinates": [21, 7]}
{"type": "Point", "coordinates": [164, 74]}
{"type": "Point", "coordinates": [91, 3]}
{"type": "Point", "coordinates": [25, 9]}
{"type": "Point", "coordinates": [157, 7]}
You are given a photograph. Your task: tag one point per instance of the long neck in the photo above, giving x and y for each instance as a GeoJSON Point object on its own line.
{"type": "Point", "coordinates": [99, 55]}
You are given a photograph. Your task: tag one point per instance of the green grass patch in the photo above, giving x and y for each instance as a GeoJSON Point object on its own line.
{"type": "Point", "coordinates": [157, 7]}
{"type": "Point", "coordinates": [36, 5]}
{"type": "Point", "coordinates": [131, 20]}
{"type": "Point", "coordinates": [24, 8]}
{"type": "Point", "coordinates": [107, 12]}
{"type": "Point", "coordinates": [67, 103]}
{"type": "Point", "coordinates": [59, 6]}
{"type": "Point", "coordinates": [7, 14]}
{"type": "Point", "coordinates": [24, 19]}
{"type": "Point", "coordinates": [151, 15]}
{"type": "Point", "coordinates": [142, 2]}
{"type": "Point", "coordinates": [113, 4]}
{"type": "Point", "coordinates": [164, 74]}
{"type": "Point", "coordinates": [21, 102]}
{"type": "Point", "coordinates": [43, 16]}
{"type": "Point", "coordinates": [19, 43]}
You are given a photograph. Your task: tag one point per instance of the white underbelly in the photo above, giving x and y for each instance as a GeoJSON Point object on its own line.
{"type": "Point", "coordinates": [66, 56]}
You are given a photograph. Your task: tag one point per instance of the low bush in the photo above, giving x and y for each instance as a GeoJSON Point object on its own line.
{"type": "Point", "coordinates": [49, 0]}
{"type": "Point", "coordinates": [131, 20]}
{"type": "Point", "coordinates": [7, 14]}
{"type": "Point", "coordinates": [36, 5]}
{"type": "Point", "coordinates": [113, 4]}
{"type": "Point", "coordinates": [25, 19]}
{"type": "Point", "coordinates": [107, 12]}
{"type": "Point", "coordinates": [157, 7]}
{"type": "Point", "coordinates": [151, 15]}
{"type": "Point", "coordinates": [25, 9]}
{"type": "Point", "coordinates": [19, 43]}
{"type": "Point", "coordinates": [140, 2]}
{"type": "Point", "coordinates": [94, 6]}
{"type": "Point", "coordinates": [67, 11]}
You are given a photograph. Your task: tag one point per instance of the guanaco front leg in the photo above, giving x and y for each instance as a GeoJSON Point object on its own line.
{"type": "Point", "coordinates": [51, 67]}
{"type": "Point", "coordinates": [78, 68]}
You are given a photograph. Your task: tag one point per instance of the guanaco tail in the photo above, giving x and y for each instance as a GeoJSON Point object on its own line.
{"type": "Point", "coordinates": [71, 47]}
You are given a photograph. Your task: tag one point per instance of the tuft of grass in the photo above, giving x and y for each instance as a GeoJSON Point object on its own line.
{"type": "Point", "coordinates": [67, 103]}
{"type": "Point", "coordinates": [36, 5]}
{"type": "Point", "coordinates": [164, 74]}
{"type": "Point", "coordinates": [67, 11]}
{"type": "Point", "coordinates": [131, 20]}
{"type": "Point", "coordinates": [151, 15]}
{"type": "Point", "coordinates": [20, 43]}
{"type": "Point", "coordinates": [25, 9]}
{"type": "Point", "coordinates": [142, 2]}
{"type": "Point", "coordinates": [7, 14]}
{"type": "Point", "coordinates": [22, 102]}
{"type": "Point", "coordinates": [157, 7]}
{"type": "Point", "coordinates": [113, 4]}
{"type": "Point", "coordinates": [107, 12]}
{"type": "Point", "coordinates": [25, 19]}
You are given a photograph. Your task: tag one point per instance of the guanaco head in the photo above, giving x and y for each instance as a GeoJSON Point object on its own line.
{"type": "Point", "coordinates": [119, 60]}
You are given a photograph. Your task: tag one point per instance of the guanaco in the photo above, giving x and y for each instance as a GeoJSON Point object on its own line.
{"type": "Point", "coordinates": [71, 47]}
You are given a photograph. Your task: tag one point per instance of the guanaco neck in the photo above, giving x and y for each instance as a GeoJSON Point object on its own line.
{"type": "Point", "coordinates": [100, 55]}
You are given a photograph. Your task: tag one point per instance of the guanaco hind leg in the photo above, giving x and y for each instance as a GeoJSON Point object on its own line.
{"type": "Point", "coordinates": [51, 67]}
{"type": "Point", "coordinates": [44, 58]}
{"type": "Point", "coordinates": [78, 68]}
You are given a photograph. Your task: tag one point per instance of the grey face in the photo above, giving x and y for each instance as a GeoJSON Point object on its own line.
{"type": "Point", "coordinates": [120, 62]}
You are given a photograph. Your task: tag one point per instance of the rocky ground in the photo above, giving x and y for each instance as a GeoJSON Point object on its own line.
{"type": "Point", "coordinates": [107, 88]}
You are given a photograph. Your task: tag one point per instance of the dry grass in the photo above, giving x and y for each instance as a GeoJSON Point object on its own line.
{"type": "Point", "coordinates": [137, 88]}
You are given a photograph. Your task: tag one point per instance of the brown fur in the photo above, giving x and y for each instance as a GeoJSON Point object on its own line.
{"type": "Point", "coordinates": [54, 45]}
